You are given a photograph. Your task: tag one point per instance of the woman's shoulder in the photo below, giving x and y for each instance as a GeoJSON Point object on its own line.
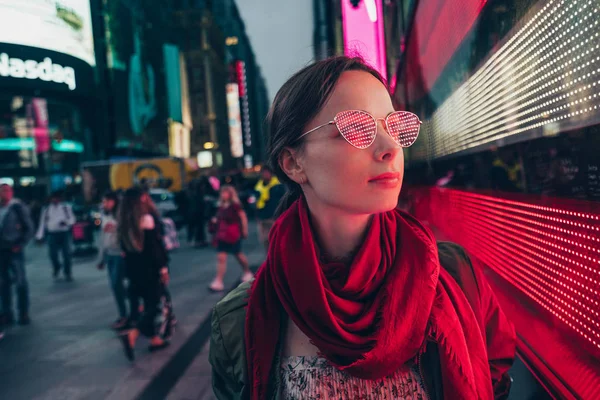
{"type": "Point", "coordinates": [456, 261]}
{"type": "Point", "coordinates": [147, 222]}
{"type": "Point", "coordinates": [233, 306]}
{"type": "Point", "coordinates": [227, 348]}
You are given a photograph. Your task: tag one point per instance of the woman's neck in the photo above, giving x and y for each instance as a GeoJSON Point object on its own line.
{"type": "Point", "coordinates": [339, 234]}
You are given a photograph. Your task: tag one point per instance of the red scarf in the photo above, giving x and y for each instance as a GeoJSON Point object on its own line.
{"type": "Point", "coordinates": [368, 319]}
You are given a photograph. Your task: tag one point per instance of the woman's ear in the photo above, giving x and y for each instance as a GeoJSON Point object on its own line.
{"type": "Point", "coordinates": [290, 163]}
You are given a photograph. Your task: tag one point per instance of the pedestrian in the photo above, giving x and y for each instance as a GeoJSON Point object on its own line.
{"type": "Point", "coordinates": [35, 207]}
{"type": "Point", "coordinates": [269, 192]}
{"type": "Point", "coordinates": [16, 230]}
{"type": "Point", "coordinates": [352, 295]}
{"type": "Point", "coordinates": [111, 256]}
{"type": "Point", "coordinates": [56, 222]}
{"type": "Point", "coordinates": [231, 227]}
{"type": "Point", "coordinates": [197, 214]}
{"type": "Point", "coordinates": [146, 264]}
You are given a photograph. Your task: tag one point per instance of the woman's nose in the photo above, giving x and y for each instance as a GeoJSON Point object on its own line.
{"type": "Point", "coordinates": [386, 148]}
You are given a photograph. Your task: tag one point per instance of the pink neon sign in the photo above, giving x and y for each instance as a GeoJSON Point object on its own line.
{"type": "Point", "coordinates": [363, 33]}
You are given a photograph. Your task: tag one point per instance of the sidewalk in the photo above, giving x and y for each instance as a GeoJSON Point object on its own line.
{"type": "Point", "coordinates": [195, 384]}
{"type": "Point", "coordinates": [69, 351]}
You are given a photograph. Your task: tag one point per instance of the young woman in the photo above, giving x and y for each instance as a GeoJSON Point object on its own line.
{"type": "Point", "coordinates": [111, 256]}
{"type": "Point", "coordinates": [146, 263]}
{"type": "Point", "coordinates": [231, 226]}
{"type": "Point", "coordinates": [352, 301]}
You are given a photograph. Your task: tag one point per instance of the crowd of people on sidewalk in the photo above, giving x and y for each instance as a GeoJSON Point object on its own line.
{"type": "Point", "coordinates": [132, 248]}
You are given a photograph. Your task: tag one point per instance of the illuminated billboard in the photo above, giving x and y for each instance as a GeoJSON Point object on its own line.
{"type": "Point", "coordinates": [363, 33]}
{"type": "Point", "coordinates": [235, 120]}
{"type": "Point", "coordinates": [63, 26]}
{"type": "Point", "coordinates": [179, 140]}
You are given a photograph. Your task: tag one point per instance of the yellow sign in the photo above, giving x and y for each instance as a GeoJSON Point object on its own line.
{"type": "Point", "coordinates": [163, 173]}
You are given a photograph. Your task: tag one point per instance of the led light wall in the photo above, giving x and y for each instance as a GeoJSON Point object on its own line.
{"type": "Point", "coordinates": [550, 253]}
{"type": "Point", "coordinates": [544, 79]}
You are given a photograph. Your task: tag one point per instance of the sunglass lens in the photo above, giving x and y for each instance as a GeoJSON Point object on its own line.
{"type": "Point", "coordinates": [403, 127]}
{"type": "Point", "coordinates": [357, 127]}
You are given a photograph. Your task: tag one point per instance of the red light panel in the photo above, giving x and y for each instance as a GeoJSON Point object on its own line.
{"type": "Point", "coordinates": [551, 253]}
{"type": "Point", "coordinates": [438, 29]}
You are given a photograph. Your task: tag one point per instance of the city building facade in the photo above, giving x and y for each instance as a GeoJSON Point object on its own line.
{"type": "Point", "coordinates": [49, 102]}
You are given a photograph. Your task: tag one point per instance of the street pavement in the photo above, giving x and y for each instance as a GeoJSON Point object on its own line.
{"type": "Point", "coordinates": [69, 352]}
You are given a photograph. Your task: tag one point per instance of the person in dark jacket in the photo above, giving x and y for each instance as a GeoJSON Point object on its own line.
{"type": "Point", "coordinates": [146, 265]}
{"type": "Point", "coordinates": [269, 192]}
{"type": "Point", "coordinates": [196, 213]}
{"type": "Point", "coordinates": [352, 300]}
{"type": "Point", "coordinates": [16, 230]}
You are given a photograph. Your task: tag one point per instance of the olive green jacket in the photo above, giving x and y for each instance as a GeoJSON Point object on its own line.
{"type": "Point", "coordinates": [228, 355]}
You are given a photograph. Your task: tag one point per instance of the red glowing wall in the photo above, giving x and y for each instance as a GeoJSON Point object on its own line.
{"type": "Point", "coordinates": [438, 29]}
{"type": "Point", "coordinates": [547, 249]}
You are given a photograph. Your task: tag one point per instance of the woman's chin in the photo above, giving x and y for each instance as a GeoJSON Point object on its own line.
{"type": "Point", "coordinates": [379, 206]}
{"type": "Point", "coordinates": [385, 203]}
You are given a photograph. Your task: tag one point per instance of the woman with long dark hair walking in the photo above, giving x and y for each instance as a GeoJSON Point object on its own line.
{"type": "Point", "coordinates": [146, 262]}
{"type": "Point", "coordinates": [355, 300]}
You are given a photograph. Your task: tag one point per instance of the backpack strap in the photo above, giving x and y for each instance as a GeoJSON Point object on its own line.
{"type": "Point", "coordinates": [66, 211]}
{"type": "Point", "coordinates": [455, 260]}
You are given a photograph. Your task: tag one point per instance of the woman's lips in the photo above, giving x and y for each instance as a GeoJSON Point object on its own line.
{"type": "Point", "coordinates": [389, 179]}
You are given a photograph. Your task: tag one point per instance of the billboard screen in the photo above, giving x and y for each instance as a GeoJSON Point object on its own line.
{"type": "Point", "coordinates": [135, 43]}
{"type": "Point", "coordinates": [64, 26]}
{"type": "Point", "coordinates": [363, 32]}
{"type": "Point", "coordinates": [235, 120]}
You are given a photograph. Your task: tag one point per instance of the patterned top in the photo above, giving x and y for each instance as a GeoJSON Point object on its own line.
{"type": "Point", "coordinates": [314, 378]}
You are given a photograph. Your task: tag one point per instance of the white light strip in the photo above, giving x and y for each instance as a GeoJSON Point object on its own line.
{"type": "Point", "coordinates": [547, 72]}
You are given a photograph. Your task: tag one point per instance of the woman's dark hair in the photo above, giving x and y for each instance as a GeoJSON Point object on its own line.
{"type": "Point", "coordinates": [298, 101]}
{"type": "Point", "coordinates": [110, 195]}
{"type": "Point", "coordinates": [132, 209]}
{"type": "Point", "coordinates": [130, 212]}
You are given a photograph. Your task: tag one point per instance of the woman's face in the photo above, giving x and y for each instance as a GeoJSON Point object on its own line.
{"type": "Point", "coordinates": [340, 175]}
{"type": "Point", "coordinates": [108, 204]}
{"type": "Point", "coordinates": [225, 195]}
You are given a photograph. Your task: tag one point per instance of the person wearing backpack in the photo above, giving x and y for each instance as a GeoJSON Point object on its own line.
{"type": "Point", "coordinates": [16, 230]}
{"type": "Point", "coordinates": [56, 222]}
